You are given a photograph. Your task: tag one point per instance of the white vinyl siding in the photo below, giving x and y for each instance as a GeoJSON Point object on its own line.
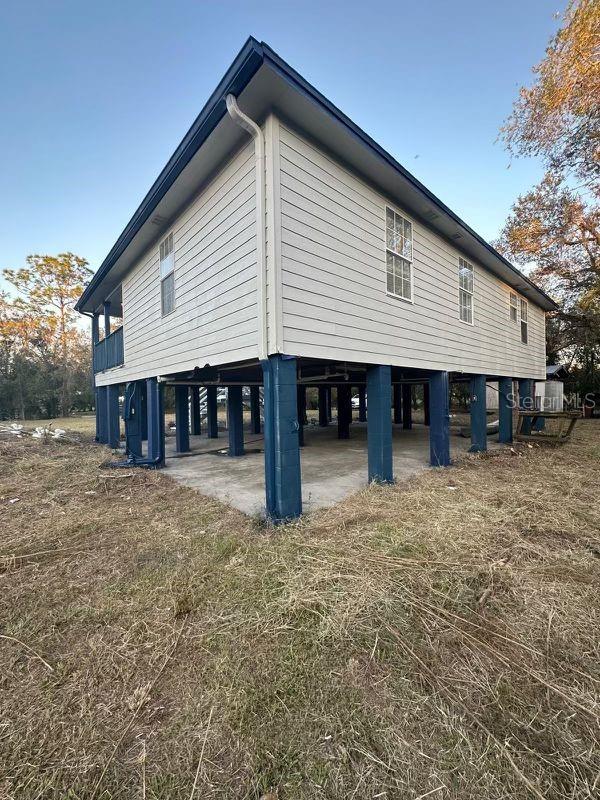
{"type": "Point", "coordinates": [215, 316]}
{"type": "Point", "coordinates": [398, 244]}
{"type": "Point", "coordinates": [465, 290]}
{"type": "Point", "coordinates": [333, 265]}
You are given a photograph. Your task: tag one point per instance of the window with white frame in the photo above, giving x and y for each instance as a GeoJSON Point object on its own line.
{"type": "Point", "coordinates": [398, 243]}
{"type": "Point", "coordinates": [465, 290]}
{"type": "Point", "coordinates": [167, 276]}
{"type": "Point", "coordinates": [524, 332]}
{"type": "Point", "coordinates": [514, 307]}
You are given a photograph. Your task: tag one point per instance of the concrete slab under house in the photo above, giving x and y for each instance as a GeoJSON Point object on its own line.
{"type": "Point", "coordinates": [285, 265]}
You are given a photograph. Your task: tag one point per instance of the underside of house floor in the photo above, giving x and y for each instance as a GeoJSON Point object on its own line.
{"type": "Point", "coordinates": [331, 468]}
{"type": "Point", "coordinates": [301, 450]}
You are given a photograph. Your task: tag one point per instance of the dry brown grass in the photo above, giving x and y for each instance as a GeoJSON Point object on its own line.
{"type": "Point", "coordinates": [438, 638]}
{"type": "Point", "coordinates": [84, 424]}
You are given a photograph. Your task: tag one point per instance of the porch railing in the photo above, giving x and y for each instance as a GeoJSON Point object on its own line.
{"type": "Point", "coordinates": [109, 351]}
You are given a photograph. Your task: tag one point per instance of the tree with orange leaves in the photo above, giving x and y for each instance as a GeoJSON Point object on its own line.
{"type": "Point", "coordinates": [558, 118]}
{"type": "Point", "coordinates": [554, 229]}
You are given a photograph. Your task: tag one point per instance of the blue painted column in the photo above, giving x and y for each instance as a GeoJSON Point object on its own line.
{"type": "Point", "coordinates": [379, 425]}
{"type": "Point", "coordinates": [102, 414]}
{"type": "Point", "coordinates": [540, 422]}
{"type": "Point", "coordinates": [329, 404]}
{"type": "Point", "coordinates": [301, 404]}
{"type": "Point", "coordinates": [96, 416]}
{"type": "Point", "coordinates": [362, 403]}
{"type": "Point", "coordinates": [143, 394]}
{"type": "Point", "coordinates": [132, 415]}
{"type": "Point", "coordinates": [196, 425]}
{"type": "Point", "coordinates": [343, 401]}
{"type": "Point", "coordinates": [282, 452]}
{"type": "Point", "coordinates": [156, 421]}
{"type": "Point", "coordinates": [439, 419]}
{"type": "Point", "coordinates": [323, 415]}
{"type": "Point", "coordinates": [478, 415]}
{"type": "Point", "coordinates": [95, 340]}
{"type": "Point", "coordinates": [113, 417]}
{"type": "Point", "coordinates": [212, 424]}
{"type": "Point", "coordinates": [255, 409]}
{"type": "Point", "coordinates": [526, 402]}
{"type": "Point", "coordinates": [95, 329]}
{"type": "Point", "coordinates": [235, 421]}
{"type": "Point", "coordinates": [505, 410]}
{"type": "Point", "coordinates": [106, 318]}
{"type": "Point", "coordinates": [406, 406]}
{"type": "Point", "coordinates": [426, 403]}
{"type": "Point", "coordinates": [182, 419]}
{"type": "Point", "coordinates": [397, 400]}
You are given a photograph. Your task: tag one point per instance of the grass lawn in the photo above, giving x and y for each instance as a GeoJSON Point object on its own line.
{"type": "Point", "coordinates": [438, 638]}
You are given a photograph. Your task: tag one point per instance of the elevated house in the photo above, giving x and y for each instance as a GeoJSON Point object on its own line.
{"type": "Point", "coordinates": [281, 247]}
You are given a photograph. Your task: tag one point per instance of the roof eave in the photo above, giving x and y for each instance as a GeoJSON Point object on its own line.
{"type": "Point", "coordinates": [252, 55]}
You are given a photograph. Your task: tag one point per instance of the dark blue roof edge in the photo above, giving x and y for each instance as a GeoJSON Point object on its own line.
{"type": "Point", "coordinates": [244, 67]}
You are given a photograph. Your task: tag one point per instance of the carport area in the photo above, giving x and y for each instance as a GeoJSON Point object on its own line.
{"type": "Point", "coordinates": [331, 468]}
{"type": "Point", "coordinates": [286, 434]}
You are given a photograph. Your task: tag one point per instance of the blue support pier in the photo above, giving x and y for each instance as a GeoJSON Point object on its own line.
{"type": "Point", "coordinates": [478, 415]}
{"type": "Point", "coordinates": [379, 425]}
{"type": "Point", "coordinates": [212, 424]}
{"type": "Point", "coordinates": [235, 421]}
{"type": "Point", "coordinates": [407, 406]}
{"type": "Point", "coordinates": [323, 415]}
{"type": "Point", "coordinates": [156, 422]}
{"type": "Point", "coordinates": [505, 410]}
{"type": "Point", "coordinates": [196, 424]}
{"type": "Point", "coordinates": [255, 409]}
{"type": "Point", "coordinates": [182, 419]}
{"type": "Point", "coordinates": [526, 402]}
{"type": "Point", "coordinates": [397, 402]}
{"type": "Point", "coordinates": [362, 404]}
{"type": "Point", "coordinates": [113, 416]}
{"type": "Point", "coordinates": [439, 419]}
{"type": "Point", "coordinates": [282, 451]}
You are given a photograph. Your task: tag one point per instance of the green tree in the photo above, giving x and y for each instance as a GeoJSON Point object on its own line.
{"type": "Point", "coordinates": [38, 328]}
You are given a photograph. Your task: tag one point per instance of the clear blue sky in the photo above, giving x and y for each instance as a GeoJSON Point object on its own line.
{"type": "Point", "coordinates": [95, 97]}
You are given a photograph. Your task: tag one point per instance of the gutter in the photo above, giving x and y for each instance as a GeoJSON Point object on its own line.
{"type": "Point", "coordinates": [244, 121]}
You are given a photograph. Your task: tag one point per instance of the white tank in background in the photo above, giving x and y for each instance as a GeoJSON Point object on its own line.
{"type": "Point", "coordinates": [540, 395]}
{"type": "Point", "coordinates": [553, 395]}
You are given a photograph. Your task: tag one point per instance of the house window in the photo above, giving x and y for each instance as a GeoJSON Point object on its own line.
{"type": "Point", "coordinates": [524, 337]}
{"type": "Point", "coordinates": [465, 290]}
{"type": "Point", "coordinates": [167, 276]}
{"type": "Point", "coordinates": [514, 307]}
{"type": "Point", "coordinates": [398, 242]}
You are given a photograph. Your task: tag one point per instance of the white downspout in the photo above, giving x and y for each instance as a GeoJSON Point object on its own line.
{"type": "Point", "coordinates": [253, 129]}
